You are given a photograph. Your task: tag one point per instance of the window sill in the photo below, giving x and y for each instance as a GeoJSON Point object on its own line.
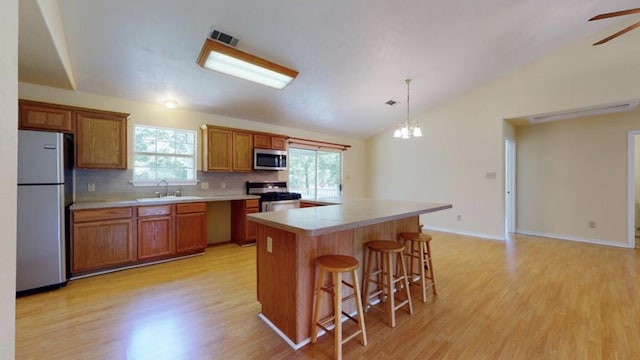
{"type": "Point", "coordinates": [142, 183]}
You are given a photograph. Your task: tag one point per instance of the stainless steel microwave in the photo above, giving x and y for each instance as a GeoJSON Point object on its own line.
{"type": "Point", "coordinates": [265, 159]}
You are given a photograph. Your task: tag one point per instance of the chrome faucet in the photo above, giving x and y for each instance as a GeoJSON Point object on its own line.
{"type": "Point", "coordinates": [166, 187]}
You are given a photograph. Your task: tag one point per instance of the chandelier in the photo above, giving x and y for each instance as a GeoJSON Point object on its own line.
{"type": "Point", "coordinates": [407, 129]}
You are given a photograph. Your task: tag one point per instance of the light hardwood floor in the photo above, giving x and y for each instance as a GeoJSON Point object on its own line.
{"type": "Point", "coordinates": [527, 298]}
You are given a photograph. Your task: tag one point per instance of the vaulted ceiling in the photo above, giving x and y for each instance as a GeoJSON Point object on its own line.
{"type": "Point", "coordinates": [352, 56]}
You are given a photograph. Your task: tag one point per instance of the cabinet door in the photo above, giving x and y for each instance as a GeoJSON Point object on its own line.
{"type": "Point", "coordinates": [191, 232]}
{"type": "Point", "coordinates": [102, 244]}
{"type": "Point", "coordinates": [251, 228]}
{"type": "Point", "coordinates": [155, 237]}
{"type": "Point", "coordinates": [101, 140]}
{"type": "Point", "coordinates": [262, 141]}
{"type": "Point", "coordinates": [242, 151]}
{"type": "Point", "coordinates": [278, 143]}
{"type": "Point", "coordinates": [219, 149]}
{"type": "Point", "coordinates": [43, 116]}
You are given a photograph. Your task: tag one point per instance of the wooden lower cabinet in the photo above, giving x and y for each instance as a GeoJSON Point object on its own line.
{"type": "Point", "coordinates": [191, 227]}
{"type": "Point", "coordinates": [155, 232]}
{"type": "Point", "coordinates": [111, 238]}
{"type": "Point", "coordinates": [102, 239]}
{"type": "Point", "coordinates": [244, 231]}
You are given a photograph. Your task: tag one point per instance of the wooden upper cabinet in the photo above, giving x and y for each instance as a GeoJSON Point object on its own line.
{"type": "Point", "coordinates": [267, 141]}
{"type": "Point", "coordinates": [242, 151]}
{"type": "Point", "coordinates": [101, 140]}
{"type": "Point", "coordinates": [42, 116]}
{"type": "Point", "coordinates": [262, 141]}
{"type": "Point", "coordinates": [219, 149]}
{"type": "Point", "coordinates": [226, 149]}
{"type": "Point", "coordinates": [279, 143]}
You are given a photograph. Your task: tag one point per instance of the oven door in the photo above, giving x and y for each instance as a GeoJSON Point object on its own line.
{"type": "Point", "coordinates": [280, 205]}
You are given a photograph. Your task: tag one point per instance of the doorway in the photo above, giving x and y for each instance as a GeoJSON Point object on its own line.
{"type": "Point", "coordinates": [634, 188]}
{"type": "Point", "coordinates": [510, 188]}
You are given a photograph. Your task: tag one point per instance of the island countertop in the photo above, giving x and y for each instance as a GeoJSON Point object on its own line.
{"type": "Point", "coordinates": [352, 213]}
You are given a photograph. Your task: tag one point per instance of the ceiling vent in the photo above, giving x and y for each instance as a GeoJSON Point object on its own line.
{"type": "Point", "coordinates": [591, 111]}
{"type": "Point", "coordinates": [224, 38]}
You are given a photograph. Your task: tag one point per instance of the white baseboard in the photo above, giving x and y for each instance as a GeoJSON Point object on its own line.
{"type": "Point", "coordinates": [282, 335]}
{"type": "Point", "coordinates": [573, 238]}
{"type": "Point", "coordinates": [466, 233]}
{"type": "Point", "coordinates": [307, 340]}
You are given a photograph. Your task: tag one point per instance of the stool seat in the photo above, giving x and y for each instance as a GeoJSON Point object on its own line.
{"type": "Point", "coordinates": [337, 263]}
{"type": "Point", "coordinates": [385, 246]}
{"type": "Point", "coordinates": [415, 236]}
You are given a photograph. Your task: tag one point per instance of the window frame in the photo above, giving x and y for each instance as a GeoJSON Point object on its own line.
{"type": "Point", "coordinates": [171, 182]}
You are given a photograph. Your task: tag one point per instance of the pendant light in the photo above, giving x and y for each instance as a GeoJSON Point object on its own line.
{"type": "Point", "coordinates": [408, 129]}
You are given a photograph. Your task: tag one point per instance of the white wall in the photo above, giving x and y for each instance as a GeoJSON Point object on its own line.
{"type": "Point", "coordinates": [156, 114]}
{"type": "Point", "coordinates": [8, 175]}
{"type": "Point", "coordinates": [572, 172]}
{"type": "Point", "coordinates": [464, 137]}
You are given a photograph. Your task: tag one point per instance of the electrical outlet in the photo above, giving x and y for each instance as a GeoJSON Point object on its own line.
{"type": "Point", "coordinates": [223, 185]}
{"type": "Point", "coordinates": [269, 244]}
{"type": "Point", "coordinates": [592, 224]}
{"type": "Point", "coordinates": [459, 217]}
{"type": "Point", "coordinates": [91, 187]}
{"type": "Point", "coordinates": [204, 185]}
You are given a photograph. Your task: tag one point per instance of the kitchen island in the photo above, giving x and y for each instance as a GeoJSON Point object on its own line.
{"type": "Point", "coordinates": [289, 242]}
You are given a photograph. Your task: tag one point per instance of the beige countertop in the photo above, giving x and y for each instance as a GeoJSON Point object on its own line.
{"type": "Point", "coordinates": [352, 213]}
{"type": "Point", "coordinates": [162, 201]}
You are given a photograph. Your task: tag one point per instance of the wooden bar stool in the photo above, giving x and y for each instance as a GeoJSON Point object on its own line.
{"type": "Point", "coordinates": [419, 254]}
{"type": "Point", "coordinates": [336, 265]}
{"type": "Point", "coordinates": [383, 277]}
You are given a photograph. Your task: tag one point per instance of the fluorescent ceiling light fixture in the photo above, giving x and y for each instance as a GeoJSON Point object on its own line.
{"type": "Point", "coordinates": [599, 110]}
{"type": "Point", "coordinates": [231, 61]}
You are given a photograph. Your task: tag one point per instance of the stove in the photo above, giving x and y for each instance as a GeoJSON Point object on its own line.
{"type": "Point", "coordinates": [274, 195]}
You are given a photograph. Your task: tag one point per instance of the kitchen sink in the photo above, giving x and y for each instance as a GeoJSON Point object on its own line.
{"type": "Point", "coordinates": [169, 198]}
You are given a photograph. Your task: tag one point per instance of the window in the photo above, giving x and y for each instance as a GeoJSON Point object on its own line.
{"type": "Point", "coordinates": [162, 153]}
{"type": "Point", "coordinates": [315, 173]}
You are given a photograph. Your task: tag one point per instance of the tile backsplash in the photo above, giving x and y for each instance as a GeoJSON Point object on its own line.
{"type": "Point", "coordinates": [114, 185]}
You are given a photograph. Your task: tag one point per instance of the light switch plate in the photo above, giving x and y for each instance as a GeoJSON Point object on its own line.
{"type": "Point", "coordinates": [204, 185]}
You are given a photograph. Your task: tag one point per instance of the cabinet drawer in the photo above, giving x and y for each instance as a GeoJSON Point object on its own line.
{"type": "Point", "coordinates": [252, 203]}
{"type": "Point", "coordinates": [191, 208]}
{"type": "Point", "coordinates": [102, 214]}
{"type": "Point", "coordinates": [155, 210]}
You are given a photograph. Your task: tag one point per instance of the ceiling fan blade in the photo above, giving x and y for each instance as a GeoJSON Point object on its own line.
{"type": "Point", "coordinates": [625, 30]}
{"type": "Point", "coordinates": [614, 14]}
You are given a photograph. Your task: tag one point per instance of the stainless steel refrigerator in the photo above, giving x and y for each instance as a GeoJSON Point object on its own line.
{"type": "Point", "coordinates": [45, 192]}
